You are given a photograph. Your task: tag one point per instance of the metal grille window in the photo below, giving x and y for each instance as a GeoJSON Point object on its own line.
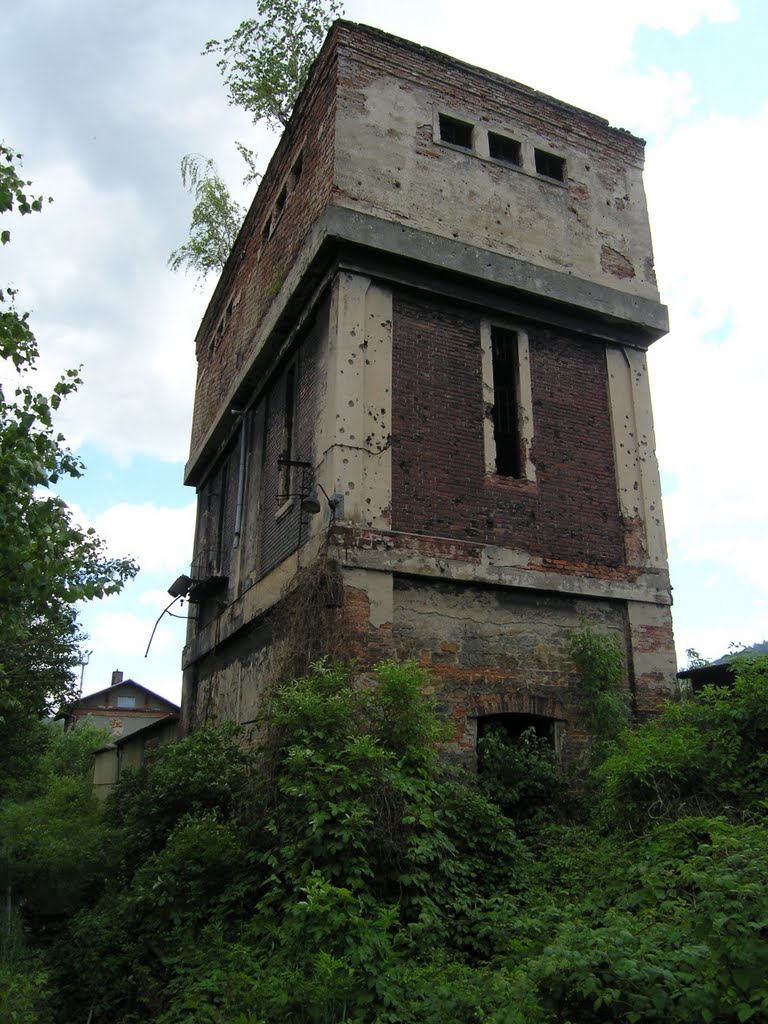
{"type": "Point", "coordinates": [455, 132]}
{"type": "Point", "coordinates": [501, 147]}
{"type": "Point", "coordinates": [549, 165]}
{"type": "Point", "coordinates": [505, 405]}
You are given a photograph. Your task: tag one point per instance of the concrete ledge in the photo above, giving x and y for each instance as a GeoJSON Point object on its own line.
{"type": "Point", "coordinates": [446, 254]}
{"type": "Point", "coordinates": [630, 319]}
{"type": "Point", "coordinates": [490, 569]}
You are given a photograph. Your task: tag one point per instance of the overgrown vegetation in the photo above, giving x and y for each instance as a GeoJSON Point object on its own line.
{"type": "Point", "coordinates": [343, 872]}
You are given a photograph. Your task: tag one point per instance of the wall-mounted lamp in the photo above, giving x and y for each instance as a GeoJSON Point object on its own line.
{"type": "Point", "coordinates": [180, 586]}
{"type": "Point", "coordinates": [308, 495]}
{"type": "Point", "coordinates": [311, 503]}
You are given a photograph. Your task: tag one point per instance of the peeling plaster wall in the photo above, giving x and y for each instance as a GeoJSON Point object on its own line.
{"type": "Point", "coordinates": [382, 275]}
{"type": "Point", "coordinates": [390, 162]}
{"type": "Point", "coordinates": [493, 650]}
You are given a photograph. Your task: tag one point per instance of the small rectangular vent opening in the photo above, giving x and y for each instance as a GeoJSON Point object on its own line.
{"type": "Point", "coordinates": [455, 132]}
{"type": "Point", "coordinates": [550, 165]}
{"type": "Point", "coordinates": [502, 148]}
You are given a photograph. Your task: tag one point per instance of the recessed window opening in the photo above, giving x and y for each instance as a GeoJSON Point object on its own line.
{"type": "Point", "coordinates": [457, 133]}
{"type": "Point", "coordinates": [502, 148]}
{"type": "Point", "coordinates": [296, 170]}
{"type": "Point", "coordinates": [266, 231]}
{"type": "Point", "coordinates": [550, 165]}
{"type": "Point", "coordinates": [126, 702]}
{"type": "Point", "coordinates": [505, 411]}
{"type": "Point", "coordinates": [513, 725]}
{"type": "Point", "coordinates": [288, 441]}
{"type": "Point", "coordinates": [280, 204]}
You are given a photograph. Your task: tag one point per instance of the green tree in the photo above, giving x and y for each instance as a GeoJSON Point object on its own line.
{"type": "Point", "coordinates": [47, 563]}
{"type": "Point", "coordinates": [216, 219]}
{"type": "Point", "coordinates": [264, 64]}
{"type": "Point", "coordinates": [266, 60]}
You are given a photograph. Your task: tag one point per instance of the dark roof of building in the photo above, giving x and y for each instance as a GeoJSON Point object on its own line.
{"type": "Point", "coordinates": [149, 727]}
{"type": "Point", "coordinates": [720, 672]}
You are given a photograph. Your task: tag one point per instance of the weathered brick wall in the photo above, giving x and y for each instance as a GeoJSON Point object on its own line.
{"type": "Point", "coordinates": [439, 485]}
{"type": "Point", "coordinates": [253, 279]}
{"type": "Point", "coordinates": [492, 650]}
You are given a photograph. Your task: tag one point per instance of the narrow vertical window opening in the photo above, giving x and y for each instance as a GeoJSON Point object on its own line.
{"type": "Point", "coordinates": [288, 443]}
{"type": "Point", "coordinates": [505, 406]}
{"type": "Point", "coordinates": [281, 200]}
{"type": "Point", "coordinates": [296, 171]}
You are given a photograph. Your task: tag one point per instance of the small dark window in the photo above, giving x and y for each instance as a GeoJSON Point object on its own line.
{"type": "Point", "coordinates": [280, 204]}
{"type": "Point", "coordinates": [266, 231]}
{"type": "Point", "coordinates": [502, 148]}
{"type": "Point", "coordinates": [512, 726]}
{"type": "Point", "coordinates": [550, 165]}
{"type": "Point", "coordinates": [296, 171]}
{"type": "Point", "coordinates": [505, 418]}
{"type": "Point", "coordinates": [458, 133]}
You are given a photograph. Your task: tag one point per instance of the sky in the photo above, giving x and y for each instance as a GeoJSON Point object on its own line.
{"type": "Point", "coordinates": [103, 100]}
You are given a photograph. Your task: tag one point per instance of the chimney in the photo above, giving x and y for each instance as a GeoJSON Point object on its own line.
{"type": "Point", "coordinates": [117, 677]}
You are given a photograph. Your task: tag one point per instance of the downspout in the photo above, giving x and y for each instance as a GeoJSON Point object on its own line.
{"type": "Point", "coordinates": [241, 479]}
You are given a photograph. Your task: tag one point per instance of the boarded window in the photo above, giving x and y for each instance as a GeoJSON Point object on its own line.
{"type": "Point", "coordinates": [505, 406]}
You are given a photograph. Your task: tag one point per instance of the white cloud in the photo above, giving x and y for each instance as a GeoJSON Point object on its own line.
{"type": "Point", "coordinates": [159, 538]}
{"type": "Point", "coordinates": [682, 16]}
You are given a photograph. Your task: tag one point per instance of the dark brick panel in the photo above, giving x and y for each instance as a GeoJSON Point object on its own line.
{"type": "Point", "coordinates": [439, 483]}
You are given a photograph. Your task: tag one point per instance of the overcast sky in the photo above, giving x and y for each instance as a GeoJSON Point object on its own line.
{"type": "Point", "coordinates": [104, 100]}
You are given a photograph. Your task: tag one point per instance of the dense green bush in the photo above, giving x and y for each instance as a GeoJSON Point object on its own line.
{"type": "Point", "coordinates": [342, 872]}
{"type": "Point", "coordinates": [705, 755]}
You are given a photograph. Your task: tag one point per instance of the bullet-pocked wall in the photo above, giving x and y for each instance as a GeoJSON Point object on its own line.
{"type": "Point", "coordinates": [449, 149]}
{"type": "Point", "coordinates": [440, 304]}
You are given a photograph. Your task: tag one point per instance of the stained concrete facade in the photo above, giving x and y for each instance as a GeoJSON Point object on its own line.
{"type": "Point", "coordinates": [419, 215]}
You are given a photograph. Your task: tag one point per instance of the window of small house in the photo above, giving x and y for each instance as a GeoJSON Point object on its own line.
{"type": "Point", "coordinates": [455, 132]}
{"type": "Point", "coordinates": [549, 165]}
{"type": "Point", "coordinates": [500, 147]}
{"type": "Point", "coordinates": [126, 702]}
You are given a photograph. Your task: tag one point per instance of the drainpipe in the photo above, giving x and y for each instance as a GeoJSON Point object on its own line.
{"type": "Point", "coordinates": [240, 477]}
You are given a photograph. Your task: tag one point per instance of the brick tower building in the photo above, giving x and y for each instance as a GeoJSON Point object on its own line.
{"type": "Point", "coordinates": [422, 399]}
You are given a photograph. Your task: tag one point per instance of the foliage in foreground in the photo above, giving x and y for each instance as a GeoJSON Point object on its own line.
{"type": "Point", "coordinates": [47, 563]}
{"type": "Point", "coordinates": [343, 873]}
